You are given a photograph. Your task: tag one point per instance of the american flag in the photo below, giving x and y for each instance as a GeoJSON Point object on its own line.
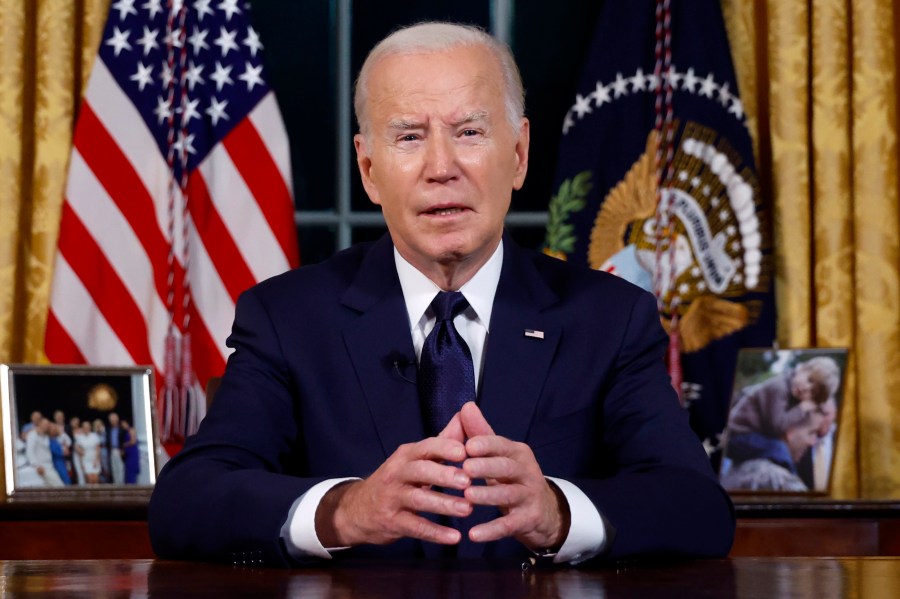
{"type": "Point", "coordinates": [178, 198]}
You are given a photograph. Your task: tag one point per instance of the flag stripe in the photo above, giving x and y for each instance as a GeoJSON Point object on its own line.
{"type": "Point", "coordinates": [106, 289]}
{"type": "Point", "coordinates": [121, 248]}
{"type": "Point", "coordinates": [80, 318]}
{"type": "Point", "coordinates": [253, 160]}
{"type": "Point", "coordinates": [60, 347]}
{"type": "Point", "coordinates": [227, 260]}
{"type": "Point", "coordinates": [118, 177]}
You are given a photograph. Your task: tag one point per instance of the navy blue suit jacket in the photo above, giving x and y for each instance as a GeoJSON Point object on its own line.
{"type": "Point", "coordinates": [322, 384]}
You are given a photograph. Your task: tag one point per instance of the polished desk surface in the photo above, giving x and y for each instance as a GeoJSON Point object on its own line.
{"type": "Point", "coordinates": [743, 578]}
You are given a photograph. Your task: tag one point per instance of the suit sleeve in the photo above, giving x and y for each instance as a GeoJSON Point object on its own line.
{"type": "Point", "coordinates": [226, 495]}
{"type": "Point", "coordinates": [661, 496]}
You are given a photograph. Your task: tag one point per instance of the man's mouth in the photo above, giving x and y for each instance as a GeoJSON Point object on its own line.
{"type": "Point", "coordinates": [445, 211]}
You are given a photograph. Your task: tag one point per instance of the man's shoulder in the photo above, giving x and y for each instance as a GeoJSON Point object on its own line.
{"type": "Point", "coordinates": [572, 281]}
{"type": "Point", "coordinates": [332, 274]}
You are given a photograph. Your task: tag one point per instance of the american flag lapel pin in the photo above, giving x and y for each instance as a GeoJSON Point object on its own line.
{"type": "Point", "coordinates": [534, 334]}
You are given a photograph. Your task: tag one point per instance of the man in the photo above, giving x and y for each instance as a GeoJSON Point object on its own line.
{"type": "Point", "coordinates": [115, 447]}
{"type": "Point", "coordinates": [316, 446]}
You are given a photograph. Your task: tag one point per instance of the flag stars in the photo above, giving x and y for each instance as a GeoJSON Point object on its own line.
{"type": "Point", "coordinates": [737, 107]}
{"type": "Point", "coordinates": [673, 77]}
{"type": "Point", "coordinates": [695, 271]}
{"type": "Point", "coordinates": [251, 76]}
{"type": "Point", "coordinates": [125, 8]}
{"type": "Point", "coordinates": [724, 94]}
{"type": "Point", "coordinates": [601, 94]}
{"type": "Point", "coordinates": [119, 41]}
{"type": "Point", "coordinates": [682, 176]}
{"type": "Point", "coordinates": [582, 105]}
{"type": "Point", "coordinates": [230, 7]}
{"type": "Point", "coordinates": [175, 38]}
{"type": "Point", "coordinates": [695, 182]}
{"type": "Point", "coordinates": [188, 111]}
{"type": "Point", "coordinates": [639, 81]}
{"type": "Point", "coordinates": [163, 110]}
{"type": "Point", "coordinates": [724, 214]}
{"type": "Point", "coordinates": [690, 81]}
{"type": "Point", "coordinates": [730, 230]}
{"type": "Point", "coordinates": [706, 190]}
{"type": "Point", "coordinates": [203, 9]}
{"type": "Point", "coordinates": [568, 123]}
{"type": "Point", "coordinates": [701, 286]}
{"type": "Point", "coordinates": [708, 86]}
{"type": "Point", "coordinates": [222, 76]}
{"type": "Point", "coordinates": [143, 75]}
{"type": "Point", "coordinates": [216, 110]}
{"type": "Point", "coordinates": [166, 75]}
{"type": "Point", "coordinates": [715, 202]}
{"type": "Point", "coordinates": [252, 41]}
{"type": "Point", "coordinates": [620, 86]}
{"type": "Point", "coordinates": [198, 40]}
{"type": "Point", "coordinates": [184, 144]}
{"type": "Point", "coordinates": [193, 75]}
{"type": "Point", "coordinates": [684, 288]}
{"type": "Point", "coordinates": [153, 7]}
{"type": "Point", "coordinates": [148, 40]}
{"type": "Point", "coordinates": [225, 41]}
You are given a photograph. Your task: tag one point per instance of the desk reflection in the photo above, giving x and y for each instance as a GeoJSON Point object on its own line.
{"type": "Point", "coordinates": [742, 578]}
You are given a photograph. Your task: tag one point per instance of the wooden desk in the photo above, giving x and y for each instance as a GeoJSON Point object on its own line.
{"type": "Point", "coordinates": [773, 527]}
{"type": "Point", "coordinates": [744, 578]}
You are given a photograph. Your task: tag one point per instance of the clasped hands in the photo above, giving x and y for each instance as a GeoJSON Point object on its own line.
{"type": "Point", "coordinates": [387, 505]}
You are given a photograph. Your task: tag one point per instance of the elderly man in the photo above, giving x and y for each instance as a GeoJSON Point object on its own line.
{"type": "Point", "coordinates": [442, 388]}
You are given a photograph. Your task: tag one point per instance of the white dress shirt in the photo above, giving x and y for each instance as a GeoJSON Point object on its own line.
{"type": "Point", "coordinates": [587, 533]}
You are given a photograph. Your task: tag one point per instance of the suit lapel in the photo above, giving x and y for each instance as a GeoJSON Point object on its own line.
{"type": "Point", "coordinates": [516, 363]}
{"type": "Point", "coordinates": [380, 347]}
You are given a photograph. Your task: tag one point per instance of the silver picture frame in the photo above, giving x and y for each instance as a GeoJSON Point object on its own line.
{"type": "Point", "coordinates": [78, 432]}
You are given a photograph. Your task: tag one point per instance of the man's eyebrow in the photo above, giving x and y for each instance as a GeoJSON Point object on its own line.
{"type": "Point", "coordinates": [404, 124]}
{"type": "Point", "coordinates": [477, 115]}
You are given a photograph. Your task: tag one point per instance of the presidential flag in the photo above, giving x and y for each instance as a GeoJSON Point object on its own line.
{"type": "Point", "coordinates": [178, 198]}
{"type": "Point", "coordinates": [656, 183]}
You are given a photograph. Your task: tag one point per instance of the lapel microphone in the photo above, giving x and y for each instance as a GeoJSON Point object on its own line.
{"type": "Point", "coordinates": [400, 365]}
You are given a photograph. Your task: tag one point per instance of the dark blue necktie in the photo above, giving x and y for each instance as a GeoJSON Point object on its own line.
{"type": "Point", "coordinates": [446, 376]}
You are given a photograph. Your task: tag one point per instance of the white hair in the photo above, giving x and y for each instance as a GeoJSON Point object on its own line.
{"type": "Point", "coordinates": [436, 37]}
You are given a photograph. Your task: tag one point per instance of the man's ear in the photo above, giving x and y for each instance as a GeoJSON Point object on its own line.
{"type": "Point", "coordinates": [364, 162]}
{"type": "Point", "coordinates": [522, 143]}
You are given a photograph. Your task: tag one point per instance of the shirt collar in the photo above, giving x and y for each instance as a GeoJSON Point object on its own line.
{"type": "Point", "coordinates": [479, 291]}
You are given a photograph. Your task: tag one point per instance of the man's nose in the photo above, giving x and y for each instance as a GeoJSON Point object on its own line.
{"type": "Point", "coordinates": [440, 159]}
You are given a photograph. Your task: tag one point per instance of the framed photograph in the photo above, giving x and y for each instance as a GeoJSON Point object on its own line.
{"type": "Point", "coordinates": [783, 421]}
{"type": "Point", "coordinates": [77, 432]}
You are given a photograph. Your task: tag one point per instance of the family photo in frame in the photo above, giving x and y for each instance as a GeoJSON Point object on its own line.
{"type": "Point", "coordinates": [74, 430]}
{"type": "Point", "coordinates": [783, 421]}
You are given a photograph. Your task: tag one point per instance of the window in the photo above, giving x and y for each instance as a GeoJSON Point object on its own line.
{"type": "Point", "coordinates": [314, 49]}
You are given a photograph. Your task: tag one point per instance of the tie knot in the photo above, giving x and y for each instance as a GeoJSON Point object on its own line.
{"type": "Point", "coordinates": [447, 304]}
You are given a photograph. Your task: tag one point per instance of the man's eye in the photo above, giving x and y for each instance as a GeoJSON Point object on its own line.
{"type": "Point", "coordinates": [409, 137]}
{"type": "Point", "coordinates": [469, 132]}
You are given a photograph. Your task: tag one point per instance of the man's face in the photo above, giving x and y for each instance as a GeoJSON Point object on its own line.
{"type": "Point", "coordinates": [803, 436]}
{"type": "Point", "coordinates": [442, 158]}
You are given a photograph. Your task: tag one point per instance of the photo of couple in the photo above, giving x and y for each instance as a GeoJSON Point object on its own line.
{"type": "Point", "coordinates": [783, 421]}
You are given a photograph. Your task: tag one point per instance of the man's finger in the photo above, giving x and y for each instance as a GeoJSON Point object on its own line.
{"type": "Point", "coordinates": [473, 421]}
{"type": "Point", "coordinates": [436, 448]}
{"type": "Point", "coordinates": [496, 529]}
{"type": "Point", "coordinates": [417, 527]}
{"type": "Point", "coordinates": [453, 430]}
{"type": "Point", "coordinates": [435, 502]}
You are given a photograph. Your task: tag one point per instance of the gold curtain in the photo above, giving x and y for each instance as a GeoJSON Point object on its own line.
{"type": "Point", "coordinates": [46, 49]}
{"type": "Point", "coordinates": [820, 78]}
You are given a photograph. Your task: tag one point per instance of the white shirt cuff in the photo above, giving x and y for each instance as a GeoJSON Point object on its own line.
{"type": "Point", "coordinates": [299, 530]}
{"type": "Point", "coordinates": [587, 533]}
